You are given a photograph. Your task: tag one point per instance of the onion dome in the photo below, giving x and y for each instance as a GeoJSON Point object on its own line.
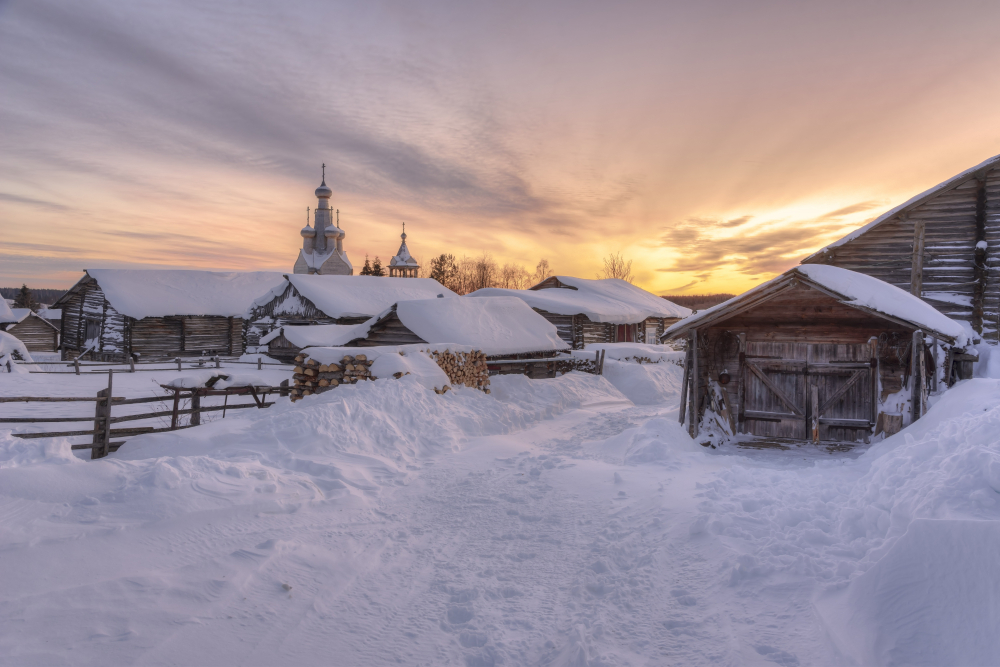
{"type": "Point", "coordinates": [323, 191]}
{"type": "Point", "coordinates": [308, 231]}
{"type": "Point", "coordinates": [333, 231]}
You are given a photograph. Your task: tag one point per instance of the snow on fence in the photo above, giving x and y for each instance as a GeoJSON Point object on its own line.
{"type": "Point", "coordinates": [102, 431]}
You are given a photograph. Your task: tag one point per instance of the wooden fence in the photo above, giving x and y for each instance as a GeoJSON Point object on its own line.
{"type": "Point", "coordinates": [102, 431]}
{"type": "Point", "coordinates": [192, 362]}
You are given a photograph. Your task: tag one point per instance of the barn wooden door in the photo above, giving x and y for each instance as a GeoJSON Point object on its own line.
{"type": "Point", "coordinates": [781, 378]}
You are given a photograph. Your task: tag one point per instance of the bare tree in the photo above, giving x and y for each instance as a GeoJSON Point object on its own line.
{"type": "Point", "coordinates": [513, 276]}
{"type": "Point", "coordinates": [542, 271]}
{"type": "Point", "coordinates": [615, 266]}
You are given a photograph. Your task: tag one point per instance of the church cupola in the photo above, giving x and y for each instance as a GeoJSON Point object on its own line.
{"type": "Point", "coordinates": [403, 265]}
{"type": "Point", "coordinates": [322, 243]}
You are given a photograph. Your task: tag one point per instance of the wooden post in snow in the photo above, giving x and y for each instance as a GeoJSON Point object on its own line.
{"type": "Point", "coordinates": [741, 390]}
{"type": "Point", "coordinates": [695, 394]}
{"type": "Point", "coordinates": [873, 362]}
{"type": "Point", "coordinates": [916, 381]}
{"type": "Point", "coordinates": [682, 413]}
{"type": "Point", "coordinates": [195, 406]}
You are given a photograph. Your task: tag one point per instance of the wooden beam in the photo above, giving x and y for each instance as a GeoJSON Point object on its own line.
{"type": "Point", "coordinates": [694, 398]}
{"type": "Point", "coordinates": [814, 404]}
{"type": "Point", "coordinates": [917, 267]}
{"type": "Point", "coordinates": [684, 384]}
{"type": "Point", "coordinates": [916, 353]}
{"type": "Point", "coordinates": [741, 396]}
{"type": "Point", "coordinates": [979, 269]}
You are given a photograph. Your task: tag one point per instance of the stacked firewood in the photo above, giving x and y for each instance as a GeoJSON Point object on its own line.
{"type": "Point", "coordinates": [465, 368]}
{"type": "Point", "coordinates": [312, 377]}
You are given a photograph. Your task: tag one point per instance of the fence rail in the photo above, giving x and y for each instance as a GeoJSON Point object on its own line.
{"type": "Point", "coordinates": [192, 362]}
{"type": "Point", "coordinates": [104, 403]}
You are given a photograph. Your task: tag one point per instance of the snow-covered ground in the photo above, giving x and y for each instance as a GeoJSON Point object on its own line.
{"type": "Point", "coordinates": [553, 522]}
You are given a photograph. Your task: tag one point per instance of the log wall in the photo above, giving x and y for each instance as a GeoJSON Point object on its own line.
{"type": "Point", "coordinates": [36, 334]}
{"type": "Point", "coordinates": [949, 273]}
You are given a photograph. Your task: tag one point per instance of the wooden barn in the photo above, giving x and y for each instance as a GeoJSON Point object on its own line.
{"type": "Point", "coordinates": [819, 353]}
{"type": "Point", "coordinates": [37, 333]}
{"type": "Point", "coordinates": [942, 245]}
{"type": "Point", "coordinates": [597, 311]}
{"type": "Point", "coordinates": [302, 299]}
{"type": "Point", "coordinates": [514, 338]}
{"type": "Point", "coordinates": [114, 314]}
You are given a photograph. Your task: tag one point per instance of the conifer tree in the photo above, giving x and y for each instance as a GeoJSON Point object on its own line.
{"type": "Point", "coordinates": [366, 270]}
{"type": "Point", "coordinates": [25, 299]}
{"type": "Point", "coordinates": [377, 267]}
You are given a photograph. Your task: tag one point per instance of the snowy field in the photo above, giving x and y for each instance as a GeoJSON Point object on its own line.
{"type": "Point", "coordinates": [568, 521]}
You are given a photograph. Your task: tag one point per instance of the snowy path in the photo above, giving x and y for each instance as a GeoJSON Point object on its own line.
{"type": "Point", "coordinates": [561, 525]}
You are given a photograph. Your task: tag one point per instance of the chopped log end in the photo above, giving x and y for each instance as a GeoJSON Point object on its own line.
{"type": "Point", "coordinates": [299, 370]}
{"type": "Point", "coordinates": [360, 357]}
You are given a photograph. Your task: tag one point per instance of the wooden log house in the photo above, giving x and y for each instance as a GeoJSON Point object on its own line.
{"type": "Point", "coordinates": [817, 354]}
{"type": "Point", "coordinates": [942, 245]}
{"type": "Point", "coordinates": [36, 332]}
{"type": "Point", "coordinates": [113, 314]}
{"type": "Point", "coordinates": [597, 311]}
{"type": "Point", "coordinates": [514, 338]}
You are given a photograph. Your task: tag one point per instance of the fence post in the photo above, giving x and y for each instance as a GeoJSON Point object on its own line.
{"type": "Point", "coordinates": [218, 362]}
{"type": "Point", "coordinates": [177, 402]}
{"type": "Point", "coordinates": [260, 363]}
{"type": "Point", "coordinates": [76, 365]}
{"type": "Point", "coordinates": [102, 421]}
{"type": "Point", "coordinates": [131, 364]}
{"type": "Point", "coordinates": [178, 360]}
{"type": "Point", "coordinates": [283, 388]}
{"type": "Point", "coordinates": [100, 415]}
{"type": "Point", "coordinates": [195, 406]}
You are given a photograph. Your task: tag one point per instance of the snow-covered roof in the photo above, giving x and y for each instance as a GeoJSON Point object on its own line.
{"type": "Point", "coordinates": [949, 184]}
{"type": "Point", "coordinates": [850, 288]}
{"type": "Point", "coordinates": [494, 326]}
{"type": "Point", "coordinates": [50, 314]}
{"type": "Point", "coordinates": [20, 314]}
{"type": "Point", "coordinates": [358, 296]}
{"type": "Point", "coordinates": [610, 300]}
{"type": "Point", "coordinates": [317, 335]}
{"type": "Point", "coordinates": [163, 292]}
{"type": "Point", "coordinates": [6, 314]}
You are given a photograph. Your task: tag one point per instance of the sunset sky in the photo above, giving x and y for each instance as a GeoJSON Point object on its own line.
{"type": "Point", "coordinates": [713, 143]}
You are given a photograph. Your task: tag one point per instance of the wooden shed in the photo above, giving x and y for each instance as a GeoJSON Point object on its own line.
{"type": "Point", "coordinates": [37, 333]}
{"type": "Point", "coordinates": [514, 338]}
{"type": "Point", "coordinates": [819, 353]}
{"type": "Point", "coordinates": [942, 245]}
{"type": "Point", "coordinates": [302, 299]}
{"type": "Point", "coordinates": [112, 314]}
{"type": "Point", "coordinates": [597, 311]}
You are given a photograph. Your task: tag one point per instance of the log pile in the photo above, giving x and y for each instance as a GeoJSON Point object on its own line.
{"type": "Point", "coordinates": [465, 368]}
{"type": "Point", "coordinates": [312, 377]}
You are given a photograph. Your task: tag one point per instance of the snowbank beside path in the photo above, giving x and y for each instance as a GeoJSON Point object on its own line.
{"type": "Point", "coordinates": [843, 522]}
{"type": "Point", "coordinates": [351, 441]}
